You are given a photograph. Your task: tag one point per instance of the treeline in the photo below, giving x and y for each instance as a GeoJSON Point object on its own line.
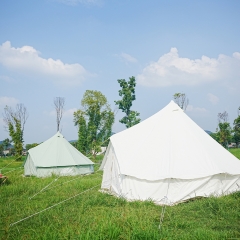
{"type": "Point", "coordinates": [94, 119]}
{"type": "Point", "coordinates": [226, 135]}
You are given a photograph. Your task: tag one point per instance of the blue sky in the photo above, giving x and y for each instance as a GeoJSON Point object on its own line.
{"type": "Point", "coordinates": [53, 48]}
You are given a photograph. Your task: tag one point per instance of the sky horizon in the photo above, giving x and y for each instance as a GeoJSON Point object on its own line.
{"type": "Point", "coordinates": [61, 48]}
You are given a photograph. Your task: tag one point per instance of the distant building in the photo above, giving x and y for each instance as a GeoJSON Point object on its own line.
{"type": "Point", "coordinates": [5, 152]}
{"type": "Point", "coordinates": [24, 152]}
{"type": "Point", "coordinates": [232, 145]}
{"type": "Point", "coordinates": [103, 150]}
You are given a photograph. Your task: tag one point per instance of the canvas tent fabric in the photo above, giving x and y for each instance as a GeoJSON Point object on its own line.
{"type": "Point", "coordinates": [168, 158]}
{"type": "Point", "coordinates": [56, 156]}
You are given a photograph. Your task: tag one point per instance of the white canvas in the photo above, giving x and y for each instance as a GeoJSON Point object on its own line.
{"type": "Point", "coordinates": [168, 156]}
{"type": "Point", "coordinates": [56, 156]}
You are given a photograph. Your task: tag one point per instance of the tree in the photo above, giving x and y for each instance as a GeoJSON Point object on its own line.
{"type": "Point", "coordinates": [236, 129]}
{"type": "Point", "coordinates": [94, 121]}
{"type": "Point", "coordinates": [15, 122]}
{"type": "Point", "coordinates": [6, 143]}
{"type": "Point", "coordinates": [215, 135]}
{"type": "Point", "coordinates": [59, 104]}
{"type": "Point", "coordinates": [1, 149]}
{"type": "Point", "coordinates": [32, 145]}
{"type": "Point", "coordinates": [224, 131]}
{"type": "Point", "coordinates": [223, 117]}
{"type": "Point", "coordinates": [74, 144]}
{"type": "Point", "coordinates": [128, 96]}
{"type": "Point", "coordinates": [80, 121]}
{"type": "Point", "coordinates": [181, 100]}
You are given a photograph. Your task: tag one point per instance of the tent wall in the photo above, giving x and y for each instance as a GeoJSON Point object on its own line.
{"type": "Point", "coordinates": [31, 170]}
{"type": "Point", "coordinates": [176, 190]}
{"type": "Point", "coordinates": [168, 155]}
{"type": "Point", "coordinates": [111, 177]}
{"type": "Point", "coordinates": [56, 156]}
{"type": "Point", "coordinates": [179, 190]}
{"type": "Point", "coordinates": [29, 167]}
{"type": "Point", "coordinates": [64, 171]}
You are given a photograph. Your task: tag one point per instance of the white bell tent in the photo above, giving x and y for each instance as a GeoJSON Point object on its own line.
{"type": "Point", "coordinates": [168, 158]}
{"type": "Point", "coordinates": [56, 156]}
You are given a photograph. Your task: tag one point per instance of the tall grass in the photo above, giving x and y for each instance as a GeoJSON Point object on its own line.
{"type": "Point", "coordinates": [94, 215]}
{"type": "Point", "coordinates": [235, 152]}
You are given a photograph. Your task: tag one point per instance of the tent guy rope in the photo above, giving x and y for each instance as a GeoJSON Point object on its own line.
{"type": "Point", "coordinates": [13, 170]}
{"type": "Point", "coordinates": [7, 165]}
{"type": "Point", "coordinates": [163, 212]}
{"type": "Point", "coordinates": [67, 182]}
{"type": "Point", "coordinates": [45, 187]}
{"type": "Point", "coordinates": [21, 220]}
{"type": "Point", "coordinates": [60, 184]}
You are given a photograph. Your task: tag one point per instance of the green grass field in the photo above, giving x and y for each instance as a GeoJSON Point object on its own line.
{"type": "Point", "coordinates": [94, 215]}
{"type": "Point", "coordinates": [235, 152]}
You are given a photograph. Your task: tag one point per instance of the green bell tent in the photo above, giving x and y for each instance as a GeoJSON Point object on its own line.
{"type": "Point", "coordinates": [56, 156]}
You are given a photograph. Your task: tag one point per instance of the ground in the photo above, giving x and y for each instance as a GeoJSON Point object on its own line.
{"type": "Point", "coordinates": [73, 208]}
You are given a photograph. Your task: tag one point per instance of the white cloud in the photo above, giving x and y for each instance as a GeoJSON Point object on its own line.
{"type": "Point", "coordinates": [171, 70]}
{"type": "Point", "coordinates": [27, 60]}
{"type": "Point", "coordinates": [69, 112]}
{"type": "Point", "coordinates": [236, 55]}
{"type": "Point", "coordinates": [212, 98]}
{"type": "Point", "coordinates": [191, 108]}
{"type": "Point", "coordinates": [10, 101]}
{"type": "Point", "coordinates": [128, 58]}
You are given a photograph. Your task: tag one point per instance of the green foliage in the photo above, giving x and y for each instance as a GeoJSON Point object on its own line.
{"type": "Point", "coordinates": [16, 134]}
{"type": "Point", "coordinates": [236, 130]}
{"type": "Point", "coordinates": [181, 100]}
{"type": "Point", "coordinates": [74, 144]}
{"type": "Point", "coordinates": [1, 149]}
{"type": "Point", "coordinates": [15, 121]}
{"type": "Point", "coordinates": [6, 143]}
{"type": "Point", "coordinates": [224, 134]}
{"type": "Point", "coordinates": [79, 119]}
{"type": "Point", "coordinates": [128, 96]}
{"type": "Point", "coordinates": [94, 122]}
{"type": "Point", "coordinates": [215, 136]}
{"type": "Point", "coordinates": [32, 145]}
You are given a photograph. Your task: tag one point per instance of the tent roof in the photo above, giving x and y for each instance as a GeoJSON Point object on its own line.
{"type": "Point", "coordinates": [170, 145]}
{"type": "Point", "coordinates": [57, 151]}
